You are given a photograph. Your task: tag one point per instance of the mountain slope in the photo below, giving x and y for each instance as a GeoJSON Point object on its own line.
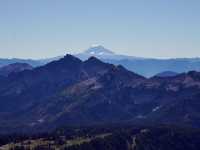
{"type": "Point", "coordinates": [75, 92]}
{"type": "Point", "coordinates": [14, 68]}
{"type": "Point", "coordinates": [4, 62]}
{"type": "Point", "coordinates": [98, 99]}
{"type": "Point", "coordinates": [23, 91]}
{"type": "Point", "coordinates": [166, 74]}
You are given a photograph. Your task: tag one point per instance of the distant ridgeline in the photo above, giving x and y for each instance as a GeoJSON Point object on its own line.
{"type": "Point", "coordinates": [147, 67]}
{"type": "Point", "coordinates": [14, 68]}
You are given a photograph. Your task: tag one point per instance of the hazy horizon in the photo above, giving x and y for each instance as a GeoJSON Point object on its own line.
{"type": "Point", "coordinates": [82, 51]}
{"type": "Point", "coordinates": [152, 29]}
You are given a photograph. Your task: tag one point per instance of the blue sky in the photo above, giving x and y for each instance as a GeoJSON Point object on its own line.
{"type": "Point", "coordinates": [148, 28]}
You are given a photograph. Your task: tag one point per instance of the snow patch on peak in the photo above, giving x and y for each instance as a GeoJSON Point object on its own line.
{"type": "Point", "coordinates": [96, 50]}
{"type": "Point", "coordinates": [156, 108]}
{"type": "Point", "coordinates": [92, 53]}
{"type": "Point", "coordinates": [95, 45]}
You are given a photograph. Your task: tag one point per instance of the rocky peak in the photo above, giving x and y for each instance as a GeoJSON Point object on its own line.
{"type": "Point", "coordinates": [93, 60]}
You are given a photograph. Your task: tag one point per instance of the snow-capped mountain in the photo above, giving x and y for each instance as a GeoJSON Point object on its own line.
{"type": "Point", "coordinates": [102, 53]}
{"type": "Point", "coordinates": [99, 50]}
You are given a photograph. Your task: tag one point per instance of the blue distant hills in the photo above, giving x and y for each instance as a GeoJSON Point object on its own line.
{"type": "Point", "coordinates": [144, 66]}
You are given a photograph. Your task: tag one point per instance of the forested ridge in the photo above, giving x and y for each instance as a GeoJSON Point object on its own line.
{"type": "Point", "coordinates": [107, 138]}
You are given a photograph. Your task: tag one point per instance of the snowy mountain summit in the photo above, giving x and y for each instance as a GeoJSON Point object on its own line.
{"type": "Point", "coordinates": [102, 53]}
{"type": "Point", "coordinates": [98, 50]}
